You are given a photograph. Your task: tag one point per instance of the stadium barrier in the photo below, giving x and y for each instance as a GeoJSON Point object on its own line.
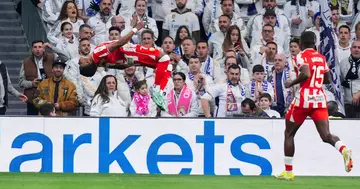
{"type": "Point", "coordinates": [169, 146]}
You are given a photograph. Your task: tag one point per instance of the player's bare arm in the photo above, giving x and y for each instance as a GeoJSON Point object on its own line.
{"type": "Point", "coordinates": [125, 39]}
{"type": "Point", "coordinates": [327, 78]}
{"type": "Point", "coordinates": [303, 76]}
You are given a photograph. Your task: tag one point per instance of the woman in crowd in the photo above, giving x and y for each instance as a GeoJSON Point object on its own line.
{"type": "Point", "coordinates": [233, 41]}
{"type": "Point", "coordinates": [107, 101]}
{"type": "Point", "coordinates": [181, 33]}
{"type": "Point", "coordinates": [182, 101]}
{"type": "Point", "coordinates": [69, 13]}
{"type": "Point", "coordinates": [68, 44]}
{"type": "Point", "coordinates": [149, 23]}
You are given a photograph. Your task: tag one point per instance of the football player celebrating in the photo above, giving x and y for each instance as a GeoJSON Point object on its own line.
{"type": "Point", "coordinates": [310, 100]}
{"type": "Point", "coordinates": [120, 54]}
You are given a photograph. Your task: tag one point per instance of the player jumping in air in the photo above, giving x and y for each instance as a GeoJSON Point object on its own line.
{"type": "Point", "coordinates": [120, 54]}
{"type": "Point", "coordinates": [310, 101]}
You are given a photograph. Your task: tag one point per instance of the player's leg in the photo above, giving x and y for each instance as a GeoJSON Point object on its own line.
{"type": "Point", "coordinates": [294, 119]}
{"type": "Point", "coordinates": [162, 75]}
{"type": "Point", "coordinates": [321, 120]}
{"type": "Point", "coordinates": [153, 58]}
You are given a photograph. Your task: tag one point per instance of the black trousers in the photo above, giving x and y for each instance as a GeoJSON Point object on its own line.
{"type": "Point", "coordinates": [31, 109]}
{"type": "Point", "coordinates": [2, 111]}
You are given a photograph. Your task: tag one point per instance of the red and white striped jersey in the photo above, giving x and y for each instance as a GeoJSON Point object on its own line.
{"type": "Point", "coordinates": [311, 94]}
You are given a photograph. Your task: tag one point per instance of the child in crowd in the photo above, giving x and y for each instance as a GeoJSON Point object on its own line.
{"type": "Point", "coordinates": [47, 109]}
{"type": "Point", "coordinates": [259, 85]}
{"type": "Point", "coordinates": [142, 105]}
{"type": "Point", "coordinates": [265, 103]}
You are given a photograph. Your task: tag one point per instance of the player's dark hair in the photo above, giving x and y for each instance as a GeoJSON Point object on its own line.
{"type": "Point", "coordinates": [46, 109]}
{"type": "Point", "coordinates": [345, 26]}
{"type": "Point", "coordinates": [258, 68]}
{"type": "Point", "coordinates": [266, 95]}
{"type": "Point", "coordinates": [36, 41]}
{"type": "Point", "coordinates": [140, 83]}
{"type": "Point", "coordinates": [147, 31]}
{"type": "Point", "coordinates": [114, 28]}
{"type": "Point", "coordinates": [182, 75]}
{"type": "Point", "coordinates": [307, 40]}
{"type": "Point", "coordinates": [102, 90]}
{"type": "Point", "coordinates": [88, 70]}
{"type": "Point", "coordinates": [248, 101]}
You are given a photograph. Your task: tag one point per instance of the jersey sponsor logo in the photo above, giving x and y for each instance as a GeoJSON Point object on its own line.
{"type": "Point", "coordinates": [315, 98]}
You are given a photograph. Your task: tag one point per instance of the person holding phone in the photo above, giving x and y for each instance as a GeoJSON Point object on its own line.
{"type": "Point", "coordinates": [233, 41]}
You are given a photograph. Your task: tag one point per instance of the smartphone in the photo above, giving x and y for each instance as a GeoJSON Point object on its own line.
{"type": "Point", "coordinates": [237, 44]}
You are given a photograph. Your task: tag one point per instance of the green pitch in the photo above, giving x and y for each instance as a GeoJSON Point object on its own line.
{"type": "Point", "coordinates": [119, 181]}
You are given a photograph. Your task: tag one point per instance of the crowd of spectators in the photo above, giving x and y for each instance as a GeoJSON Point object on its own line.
{"type": "Point", "coordinates": [230, 57]}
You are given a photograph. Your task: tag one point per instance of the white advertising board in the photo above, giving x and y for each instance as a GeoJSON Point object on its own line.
{"type": "Point", "coordinates": [169, 146]}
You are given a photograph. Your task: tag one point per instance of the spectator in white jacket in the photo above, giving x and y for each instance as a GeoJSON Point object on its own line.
{"type": "Point", "coordinates": [181, 16]}
{"type": "Point", "coordinates": [72, 71]}
{"type": "Point", "coordinates": [68, 43]}
{"type": "Point", "coordinates": [300, 14]}
{"type": "Point", "coordinates": [101, 22]}
{"type": "Point", "coordinates": [227, 7]}
{"type": "Point", "coordinates": [216, 40]}
{"type": "Point", "coordinates": [279, 36]}
{"type": "Point", "coordinates": [89, 86]}
{"type": "Point", "coordinates": [182, 101]}
{"type": "Point", "coordinates": [213, 11]}
{"type": "Point", "coordinates": [126, 82]}
{"type": "Point", "coordinates": [168, 46]}
{"type": "Point", "coordinates": [142, 105]}
{"type": "Point", "coordinates": [256, 22]}
{"type": "Point", "coordinates": [149, 23]}
{"type": "Point", "coordinates": [70, 14]}
{"type": "Point", "coordinates": [107, 102]}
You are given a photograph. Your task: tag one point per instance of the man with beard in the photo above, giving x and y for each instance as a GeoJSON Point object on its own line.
{"type": "Point", "coordinates": [72, 72]}
{"type": "Point", "coordinates": [216, 40]}
{"type": "Point", "coordinates": [256, 22]}
{"type": "Point", "coordinates": [58, 91]}
{"type": "Point", "coordinates": [230, 94]}
{"type": "Point", "coordinates": [259, 51]}
{"type": "Point", "coordinates": [181, 16]}
{"type": "Point", "coordinates": [101, 22]}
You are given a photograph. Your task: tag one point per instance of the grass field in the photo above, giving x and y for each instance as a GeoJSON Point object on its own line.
{"type": "Point", "coordinates": [119, 181]}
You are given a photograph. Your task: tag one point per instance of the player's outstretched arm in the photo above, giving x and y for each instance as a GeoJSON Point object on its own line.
{"type": "Point", "coordinates": [125, 39]}
{"type": "Point", "coordinates": [327, 77]}
{"type": "Point", "coordinates": [303, 76]}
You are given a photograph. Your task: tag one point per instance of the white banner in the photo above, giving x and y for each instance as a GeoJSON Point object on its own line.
{"type": "Point", "coordinates": [169, 146]}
